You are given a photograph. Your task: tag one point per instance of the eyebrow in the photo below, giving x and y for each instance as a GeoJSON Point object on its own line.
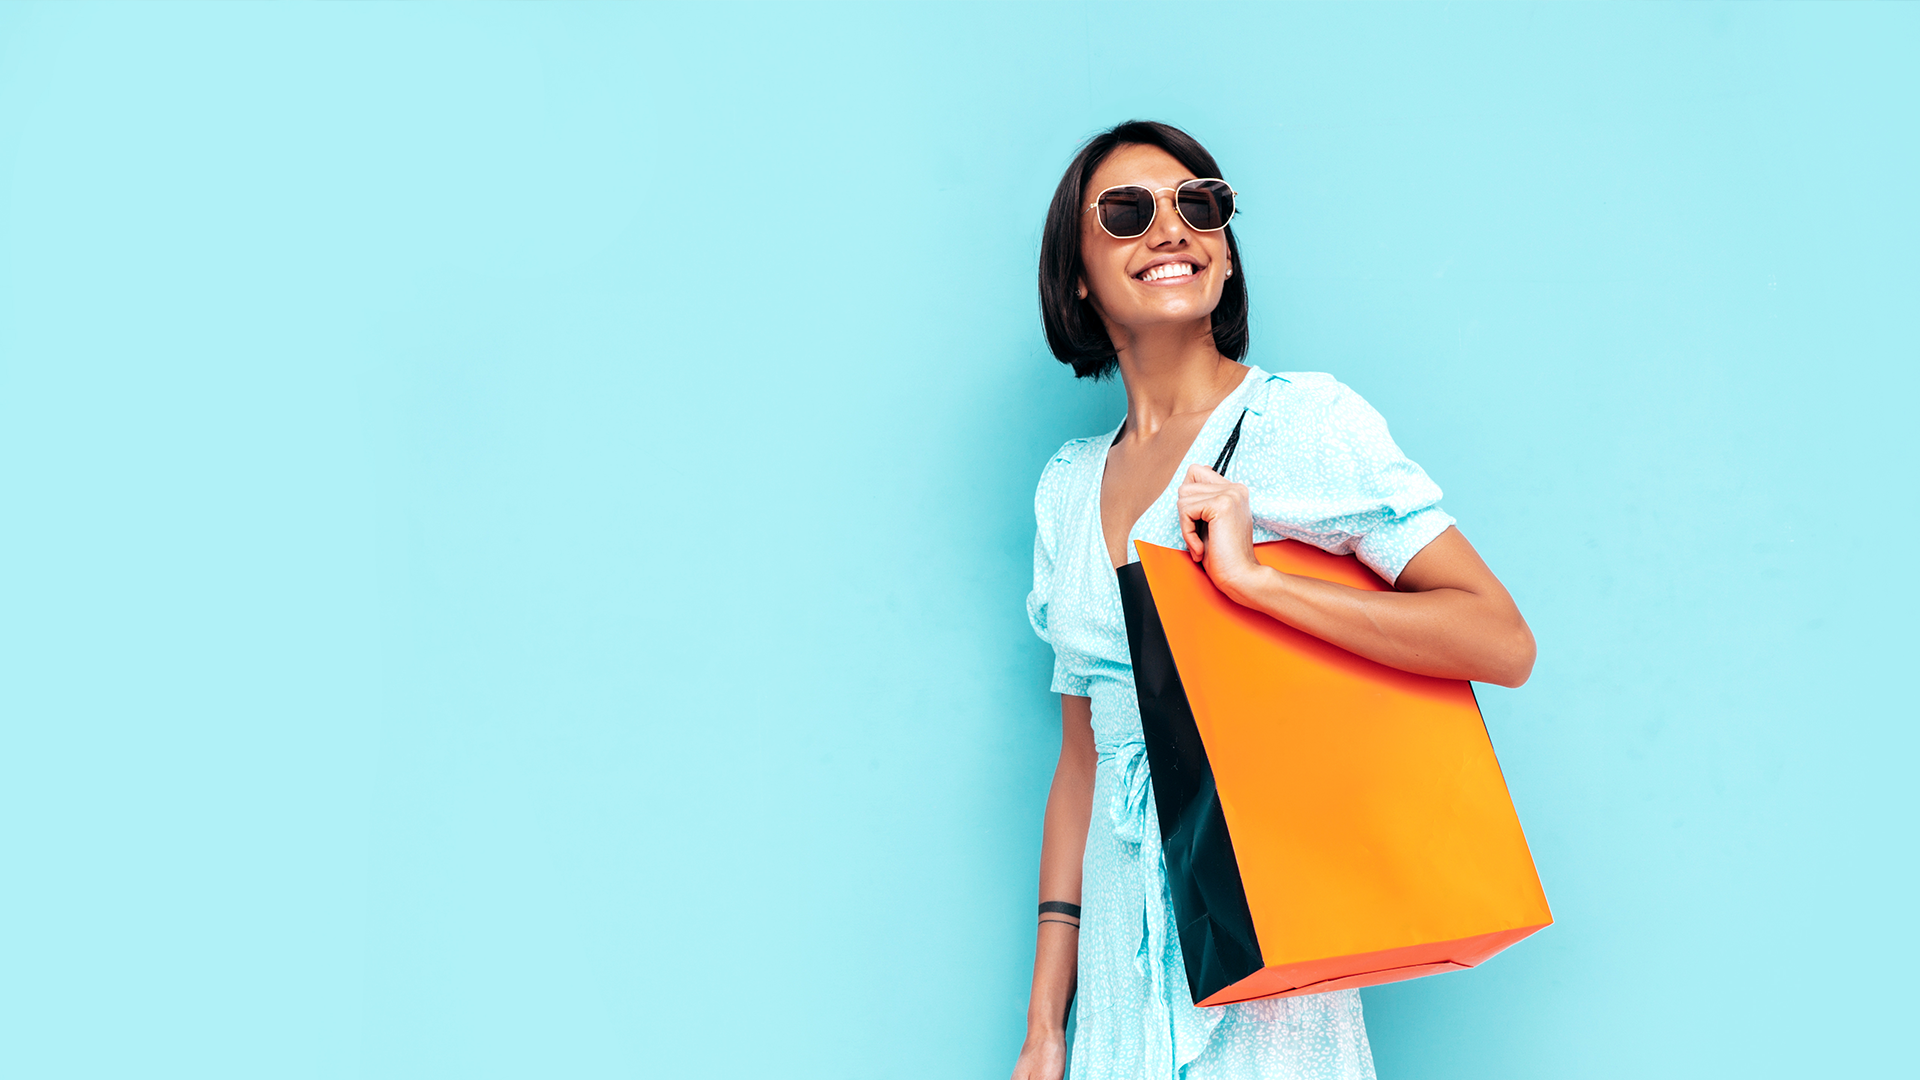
{"type": "Point", "coordinates": [1145, 184]}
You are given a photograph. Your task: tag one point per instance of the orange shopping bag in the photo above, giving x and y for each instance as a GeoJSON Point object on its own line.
{"type": "Point", "coordinates": [1328, 822]}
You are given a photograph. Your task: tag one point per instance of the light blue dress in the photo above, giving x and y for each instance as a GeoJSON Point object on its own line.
{"type": "Point", "coordinates": [1322, 469]}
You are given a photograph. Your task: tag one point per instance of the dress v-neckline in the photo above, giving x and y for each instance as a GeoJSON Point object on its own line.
{"type": "Point", "coordinates": [1173, 482]}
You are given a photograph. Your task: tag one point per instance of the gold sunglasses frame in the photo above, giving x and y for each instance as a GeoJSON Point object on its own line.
{"type": "Point", "coordinates": [1155, 192]}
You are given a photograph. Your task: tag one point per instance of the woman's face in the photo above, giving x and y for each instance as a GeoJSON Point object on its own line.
{"type": "Point", "coordinates": [1168, 275]}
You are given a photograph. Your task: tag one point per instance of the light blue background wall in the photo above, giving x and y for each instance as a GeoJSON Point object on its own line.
{"type": "Point", "coordinates": [507, 575]}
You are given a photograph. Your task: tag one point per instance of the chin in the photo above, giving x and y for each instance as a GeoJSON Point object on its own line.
{"type": "Point", "coordinates": [1163, 315]}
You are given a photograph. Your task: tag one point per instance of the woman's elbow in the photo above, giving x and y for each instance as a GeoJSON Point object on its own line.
{"type": "Point", "coordinates": [1512, 663]}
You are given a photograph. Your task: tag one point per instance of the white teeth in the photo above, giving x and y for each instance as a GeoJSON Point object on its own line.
{"type": "Point", "coordinates": [1167, 270]}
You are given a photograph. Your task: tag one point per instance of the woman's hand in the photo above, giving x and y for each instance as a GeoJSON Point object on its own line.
{"type": "Point", "coordinates": [1227, 549]}
{"type": "Point", "coordinates": [1042, 1057]}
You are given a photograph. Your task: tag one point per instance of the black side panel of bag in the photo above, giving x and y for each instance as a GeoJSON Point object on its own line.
{"type": "Point", "coordinates": [1209, 902]}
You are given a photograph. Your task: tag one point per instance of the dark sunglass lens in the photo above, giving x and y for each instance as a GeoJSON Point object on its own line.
{"type": "Point", "coordinates": [1126, 212]}
{"type": "Point", "coordinates": [1206, 204]}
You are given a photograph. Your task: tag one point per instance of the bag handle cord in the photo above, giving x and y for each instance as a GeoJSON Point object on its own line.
{"type": "Point", "coordinates": [1220, 463]}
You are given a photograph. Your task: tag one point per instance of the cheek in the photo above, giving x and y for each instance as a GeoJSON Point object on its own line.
{"type": "Point", "coordinates": [1106, 270]}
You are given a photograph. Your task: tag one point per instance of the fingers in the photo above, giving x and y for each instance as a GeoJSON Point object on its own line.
{"type": "Point", "coordinates": [1208, 497]}
{"type": "Point", "coordinates": [1195, 507]}
{"type": "Point", "coordinates": [1202, 480]}
{"type": "Point", "coordinates": [1211, 502]}
{"type": "Point", "coordinates": [1196, 547]}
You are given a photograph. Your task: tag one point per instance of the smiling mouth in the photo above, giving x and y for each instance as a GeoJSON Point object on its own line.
{"type": "Point", "coordinates": [1167, 272]}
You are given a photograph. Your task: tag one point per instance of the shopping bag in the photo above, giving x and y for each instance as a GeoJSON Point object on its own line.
{"type": "Point", "coordinates": [1327, 821]}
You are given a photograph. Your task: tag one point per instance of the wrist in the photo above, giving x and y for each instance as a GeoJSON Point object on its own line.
{"type": "Point", "coordinates": [1248, 586]}
{"type": "Point", "coordinates": [1040, 1029]}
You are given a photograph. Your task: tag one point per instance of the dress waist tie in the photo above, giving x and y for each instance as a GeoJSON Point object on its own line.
{"type": "Point", "coordinates": [1176, 1032]}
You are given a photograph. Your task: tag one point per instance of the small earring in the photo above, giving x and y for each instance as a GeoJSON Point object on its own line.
{"type": "Point", "coordinates": [1229, 271]}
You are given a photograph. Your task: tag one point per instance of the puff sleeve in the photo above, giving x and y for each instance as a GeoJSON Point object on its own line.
{"type": "Point", "coordinates": [1045, 543]}
{"type": "Point", "coordinates": [1049, 512]}
{"type": "Point", "coordinates": [1336, 479]}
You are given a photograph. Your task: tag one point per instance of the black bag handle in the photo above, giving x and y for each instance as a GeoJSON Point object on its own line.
{"type": "Point", "coordinates": [1233, 440]}
{"type": "Point", "coordinates": [1220, 463]}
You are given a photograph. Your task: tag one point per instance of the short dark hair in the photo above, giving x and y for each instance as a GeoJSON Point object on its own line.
{"type": "Point", "coordinates": [1074, 330]}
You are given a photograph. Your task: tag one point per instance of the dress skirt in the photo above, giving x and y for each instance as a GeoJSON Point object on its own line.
{"type": "Point", "coordinates": [1133, 1013]}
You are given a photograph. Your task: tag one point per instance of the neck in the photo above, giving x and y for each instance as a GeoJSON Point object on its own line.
{"type": "Point", "coordinates": [1171, 371]}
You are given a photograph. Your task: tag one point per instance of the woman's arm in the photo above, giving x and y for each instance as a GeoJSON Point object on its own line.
{"type": "Point", "coordinates": [1063, 842]}
{"type": "Point", "coordinates": [1450, 616]}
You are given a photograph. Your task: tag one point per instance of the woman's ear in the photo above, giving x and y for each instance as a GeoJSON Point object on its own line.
{"type": "Point", "coordinates": [1082, 283]}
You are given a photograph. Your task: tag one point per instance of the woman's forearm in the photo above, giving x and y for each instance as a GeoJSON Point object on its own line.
{"type": "Point", "coordinates": [1455, 621]}
{"type": "Point", "coordinates": [1063, 844]}
{"type": "Point", "coordinates": [1448, 616]}
{"type": "Point", "coordinates": [1443, 632]}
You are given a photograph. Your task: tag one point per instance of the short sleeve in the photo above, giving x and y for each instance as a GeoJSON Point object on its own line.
{"type": "Point", "coordinates": [1049, 506]}
{"type": "Point", "coordinates": [1354, 491]}
{"type": "Point", "coordinates": [1045, 543]}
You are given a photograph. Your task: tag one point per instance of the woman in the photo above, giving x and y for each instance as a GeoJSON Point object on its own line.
{"type": "Point", "coordinates": [1139, 273]}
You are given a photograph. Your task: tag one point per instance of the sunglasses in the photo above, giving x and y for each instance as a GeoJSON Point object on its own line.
{"type": "Point", "coordinates": [1127, 210]}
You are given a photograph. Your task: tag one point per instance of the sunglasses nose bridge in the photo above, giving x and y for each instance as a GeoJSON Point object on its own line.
{"type": "Point", "coordinates": [1172, 219]}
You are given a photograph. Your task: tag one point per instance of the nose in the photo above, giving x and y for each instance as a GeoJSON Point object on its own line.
{"type": "Point", "coordinates": [1168, 226]}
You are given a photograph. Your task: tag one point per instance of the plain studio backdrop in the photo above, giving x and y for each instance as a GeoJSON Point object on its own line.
{"type": "Point", "coordinates": [517, 518]}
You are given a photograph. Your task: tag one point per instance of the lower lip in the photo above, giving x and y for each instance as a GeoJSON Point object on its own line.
{"type": "Point", "coordinates": [1180, 280]}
